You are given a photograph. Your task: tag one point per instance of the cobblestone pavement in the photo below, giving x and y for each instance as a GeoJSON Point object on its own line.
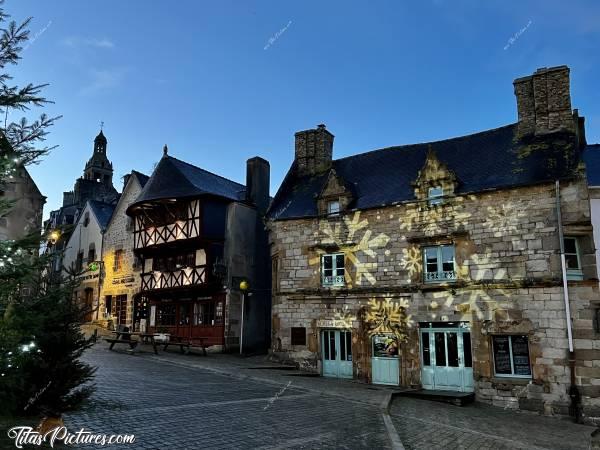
{"type": "Point", "coordinates": [423, 424]}
{"type": "Point", "coordinates": [169, 406]}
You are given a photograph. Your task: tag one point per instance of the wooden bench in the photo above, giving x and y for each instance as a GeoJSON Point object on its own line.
{"type": "Point", "coordinates": [131, 342]}
{"type": "Point", "coordinates": [186, 344]}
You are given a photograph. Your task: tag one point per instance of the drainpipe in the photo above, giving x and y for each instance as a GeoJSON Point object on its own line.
{"type": "Point", "coordinates": [573, 391]}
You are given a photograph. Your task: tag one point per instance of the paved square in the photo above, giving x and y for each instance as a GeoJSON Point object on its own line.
{"type": "Point", "coordinates": [173, 407]}
{"type": "Point", "coordinates": [172, 401]}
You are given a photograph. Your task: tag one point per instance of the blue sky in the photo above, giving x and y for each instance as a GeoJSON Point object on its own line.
{"type": "Point", "coordinates": [196, 75]}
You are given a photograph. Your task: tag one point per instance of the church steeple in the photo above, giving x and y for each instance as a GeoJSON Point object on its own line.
{"type": "Point", "coordinates": [98, 167]}
{"type": "Point", "coordinates": [100, 143]}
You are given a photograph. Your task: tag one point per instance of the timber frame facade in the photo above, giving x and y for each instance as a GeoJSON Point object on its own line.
{"type": "Point", "coordinates": [186, 221]}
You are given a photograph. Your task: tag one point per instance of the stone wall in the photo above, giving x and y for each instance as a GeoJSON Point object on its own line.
{"type": "Point", "coordinates": [508, 282]}
{"type": "Point", "coordinates": [119, 236]}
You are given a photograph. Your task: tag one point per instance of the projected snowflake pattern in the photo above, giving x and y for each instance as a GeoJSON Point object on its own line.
{"type": "Point", "coordinates": [434, 220]}
{"type": "Point", "coordinates": [505, 217]}
{"type": "Point", "coordinates": [354, 252]}
{"type": "Point", "coordinates": [412, 260]}
{"type": "Point", "coordinates": [345, 316]}
{"type": "Point", "coordinates": [388, 315]}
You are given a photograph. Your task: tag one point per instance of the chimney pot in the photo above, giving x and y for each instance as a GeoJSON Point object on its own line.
{"type": "Point", "coordinates": [258, 183]}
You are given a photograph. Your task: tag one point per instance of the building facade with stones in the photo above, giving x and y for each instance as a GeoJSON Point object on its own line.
{"type": "Point", "coordinates": [440, 265]}
{"type": "Point", "coordinates": [120, 303]}
{"type": "Point", "coordinates": [82, 257]}
{"type": "Point", "coordinates": [198, 236]}
{"type": "Point", "coordinates": [95, 184]}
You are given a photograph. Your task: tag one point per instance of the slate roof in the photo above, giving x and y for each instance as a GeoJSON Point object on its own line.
{"type": "Point", "coordinates": [487, 160]}
{"type": "Point", "coordinates": [591, 156]}
{"type": "Point", "coordinates": [174, 178]}
{"type": "Point", "coordinates": [102, 211]}
{"type": "Point", "coordinates": [142, 179]}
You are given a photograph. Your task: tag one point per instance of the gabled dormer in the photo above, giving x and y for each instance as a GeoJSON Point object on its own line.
{"type": "Point", "coordinates": [335, 196]}
{"type": "Point", "coordinates": [435, 181]}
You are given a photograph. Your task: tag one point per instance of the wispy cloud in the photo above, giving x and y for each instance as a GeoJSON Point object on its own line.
{"type": "Point", "coordinates": [76, 41]}
{"type": "Point", "coordinates": [103, 80]}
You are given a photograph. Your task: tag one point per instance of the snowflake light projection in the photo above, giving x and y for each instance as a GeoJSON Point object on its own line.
{"type": "Point", "coordinates": [505, 217]}
{"type": "Point", "coordinates": [354, 252]}
{"type": "Point", "coordinates": [412, 260]}
{"type": "Point", "coordinates": [344, 316]}
{"type": "Point", "coordinates": [434, 220]}
{"type": "Point", "coordinates": [481, 300]}
{"type": "Point", "coordinates": [388, 315]}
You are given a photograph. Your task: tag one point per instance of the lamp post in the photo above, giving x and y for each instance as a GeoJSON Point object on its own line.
{"type": "Point", "coordinates": [244, 288]}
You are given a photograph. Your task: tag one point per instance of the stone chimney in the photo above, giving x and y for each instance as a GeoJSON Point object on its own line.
{"type": "Point", "coordinates": [258, 182]}
{"type": "Point", "coordinates": [544, 102]}
{"type": "Point", "coordinates": [314, 150]}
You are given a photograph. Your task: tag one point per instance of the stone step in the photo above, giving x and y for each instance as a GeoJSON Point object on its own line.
{"type": "Point", "coordinates": [453, 397]}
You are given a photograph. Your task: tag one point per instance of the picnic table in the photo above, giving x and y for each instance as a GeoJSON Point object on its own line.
{"type": "Point", "coordinates": [185, 342]}
{"type": "Point", "coordinates": [124, 337]}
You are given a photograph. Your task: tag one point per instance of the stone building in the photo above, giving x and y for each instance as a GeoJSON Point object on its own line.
{"type": "Point", "coordinates": [95, 184]}
{"type": "Point", "coordinates": [198, 236]}
{"type": "Point", "coordinates": [25, 216]}
{"type": "Point", "coordinates": [82, 256]}
{"type": "Point", "coordinates": [119, 302]}
{"type": "Point", "coordinates": [439, 265]}
{"type": "Point", "coordinates": [592, 162]}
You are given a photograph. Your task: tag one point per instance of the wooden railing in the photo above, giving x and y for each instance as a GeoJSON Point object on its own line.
{"type": "Point", "coordinates": [184, 277]}
{"type": "Point", "coordinates": [146, 235]}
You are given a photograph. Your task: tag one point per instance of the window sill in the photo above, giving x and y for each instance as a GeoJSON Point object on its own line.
{"type": "Point", "coordinates": [574, 275]}
{"type": "Point", "coordinates": [512, 379]}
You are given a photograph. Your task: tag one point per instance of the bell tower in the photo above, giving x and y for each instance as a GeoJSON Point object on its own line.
{"type": "Point", "coordinates": [99, 168]}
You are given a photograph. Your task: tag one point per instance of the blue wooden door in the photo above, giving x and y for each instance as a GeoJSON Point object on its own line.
{"type": "Point", "coordinates": [336, 347]}
{"type": "Point", "coordinates": [385, 363]}
{"type": "Point", "coordinates": [446, 359]}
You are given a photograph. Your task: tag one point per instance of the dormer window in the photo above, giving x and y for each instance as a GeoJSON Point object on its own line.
{"type": "Point", "coordinates": [333, 208]}
{"type": "Point", "coordinates": [435, 195]}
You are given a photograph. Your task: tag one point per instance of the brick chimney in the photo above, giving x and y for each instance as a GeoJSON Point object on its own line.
{"type": "Point", "coordinates": [258, 182]}
{"type": "Point", "coordinates": [314, 150]}
{"type": "Point", "coordinates": [544, 102]}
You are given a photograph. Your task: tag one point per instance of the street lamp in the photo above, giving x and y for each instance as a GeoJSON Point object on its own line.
{"type": "Point", "coordinates": [244, 286]}
{"type": "Point", "coordinates": [54, 236]}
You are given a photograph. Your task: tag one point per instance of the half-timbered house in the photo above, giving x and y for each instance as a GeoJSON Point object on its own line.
{"type": "Point", "coordinates": [198, 237]}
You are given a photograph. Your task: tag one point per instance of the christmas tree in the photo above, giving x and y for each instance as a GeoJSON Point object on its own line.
{"type": "Point", "coordinates": [40, 339]}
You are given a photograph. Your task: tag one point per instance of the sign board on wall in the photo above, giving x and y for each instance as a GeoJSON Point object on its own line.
{"type": "Point", "coordinates": [333, 323]}
{"type": "Point", "coordinates": [123, 280]}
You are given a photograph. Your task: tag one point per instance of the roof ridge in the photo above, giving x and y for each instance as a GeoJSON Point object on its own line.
{"type": "Point", "coordinates": [206, 171]}
{"type": "Point", "coordinates": [139, 173]}
{"type": "Point", "coordinates": [426, 143]}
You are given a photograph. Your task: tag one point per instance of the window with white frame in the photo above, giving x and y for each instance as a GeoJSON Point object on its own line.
{"type": "Point", "coordinates": [332, 269]}
{"type": "Point", "coordinates": [333, 208]}
{"type": "Point", "coordinates": [573, 258]}
{"type": "Point", "coordinates": [511, 356]}
{"type": "Point", "coordinates": [435, 195]}
{"type": "Point", "coordinates": [438, 263]}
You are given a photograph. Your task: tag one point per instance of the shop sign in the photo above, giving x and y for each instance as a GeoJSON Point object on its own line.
{"type": "Point", "coordinates": [333, 323]}
{"type": "Point", "coordinates": [124, 280]}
